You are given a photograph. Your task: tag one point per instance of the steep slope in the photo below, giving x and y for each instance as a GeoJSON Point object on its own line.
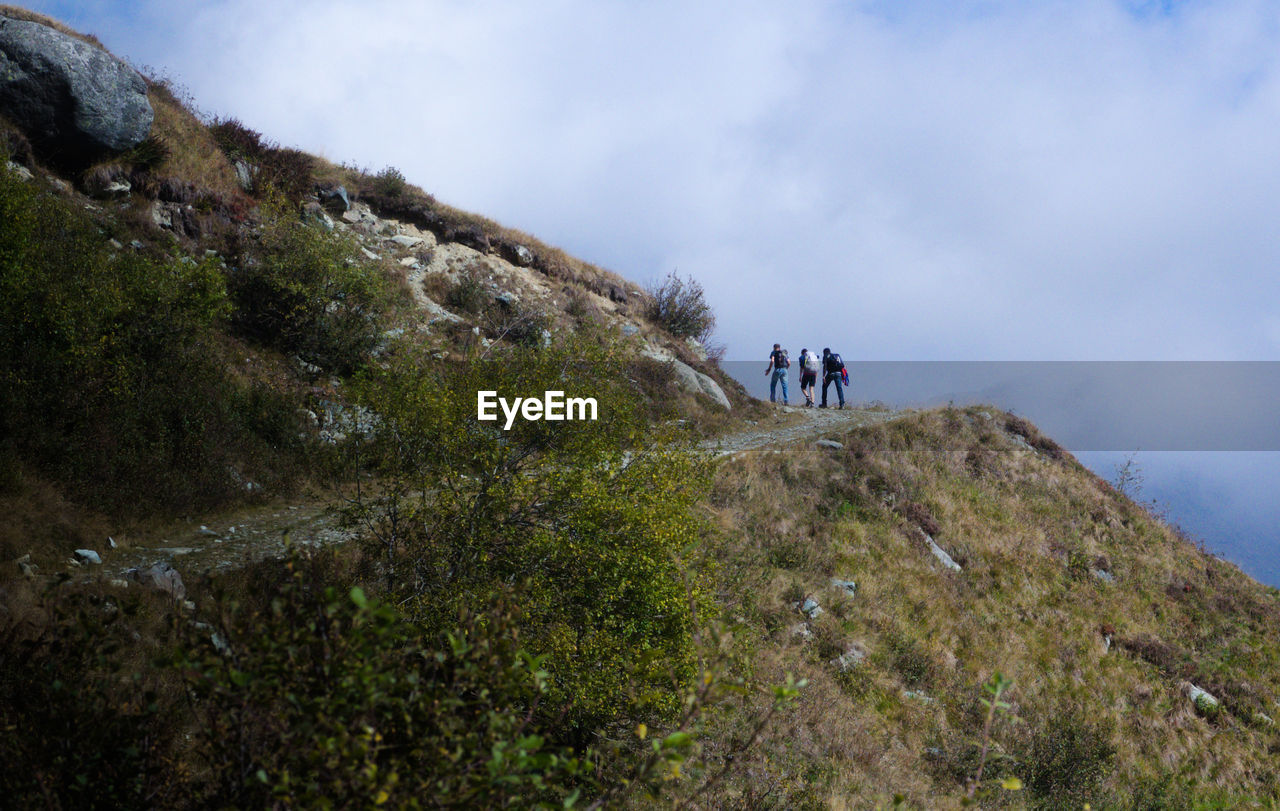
{"type": "Point", "coordinates": [1107, 621]}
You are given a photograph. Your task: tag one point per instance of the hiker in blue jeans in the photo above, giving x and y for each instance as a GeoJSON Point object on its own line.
{"type": "Point", "coordinates": [832, 372]}
{"type": "Point", "coordinates": [778, 364]}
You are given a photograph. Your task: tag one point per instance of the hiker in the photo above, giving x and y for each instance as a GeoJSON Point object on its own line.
{"type": "Point", "coordinates": [809, 366]}
{"type": "Point", "coordinates": [833, 372]}
{"type": "Point", "coordinates": [778, 364]}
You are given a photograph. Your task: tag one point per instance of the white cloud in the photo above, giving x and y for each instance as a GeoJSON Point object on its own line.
{"type": "Point", "coordinates": [931, 180]}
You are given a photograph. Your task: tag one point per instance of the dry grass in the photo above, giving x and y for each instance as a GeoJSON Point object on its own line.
{"type": "Point", "coordinates": [194, 156]}
{"type": "Point", "coordinates": [16, 13]}
{"type": "Point", "coordinates": [1027, 526]}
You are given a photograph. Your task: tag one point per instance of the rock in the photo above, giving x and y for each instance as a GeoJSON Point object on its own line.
{"type": "Point", "coordinates": [1199, 697]}
{"type": "Point", "coordinates": [521, 256]}
{"type": "Point", "coordinates": [410, 262]}
{"type": "Point", "coordinates": [28, 569]}
{"type": "Point", "coordinates": [107, 185]}
{"type": "Point", "coordinates": [506, 299]}
{"type": "Point", "coordinates": [1103, 575]}
{"type": "Point", "coordinates": [117, 583]}
{"type": "Point", "coordinates": [629, 329]}
{"type": "Point", "coordinates": [829, 443]}
{"type": "Point", "coordinates": [847, 586]}
{"type": "Point", "coordinates": [75, 102]}
{"type": "Point", "coordinates": [712, 389]}
{"type": "Point", "coordinates": [809, 607]}
{"type": "Point", "coordinates": [88, 556]}
{"type": "Point", "coordinates": [407, 241]}
{"type": "Point", "coordinates": [245, 173]}
{"type": "Point", "coordinates": [850, 658]}
{"type": "Point", "coordinates": [111, 543]}
{"type": "Point", "coordinates": [801, 629]}
{"type": "Point", "coordinates": [617, 294]}
{"type": "Point", "coordinates": [313, 211]}
{"type": "Point", "coordinates": [695, 346]}
{"type": "Point", "coordinates": [941, 554]}
{"type": "Point", "coordinates": [18, 169]}
{"type": "Point", "coordinates": [917, 696]}
{"type": "Point", "coordinates": [161, 214]}
{"type": "Point", "coordinates": [161, 576]}
{"type": "Point", "coordinates": [370, 255]}
{"type": "Point", "coordinates": [207, 532]}
{"type": "Point", "coordinates": [136, 244]}
{"type": "Point", "coordinates": [546, 338]}
{"type": "Point", "coordinates": [116, 244]}
{"type": "Point", "coordinates": [687, 377]}
{"type": "Point", "coordinates": [334, 198]}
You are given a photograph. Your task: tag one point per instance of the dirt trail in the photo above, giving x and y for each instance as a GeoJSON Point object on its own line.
{"type": "Point", "coordinates": [231, 540]}
{"type": "Point", "coordinates": [813, 423]}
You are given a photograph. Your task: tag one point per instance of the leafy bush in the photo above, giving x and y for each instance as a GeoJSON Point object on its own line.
{"type": "Point", "coordinates": [390, 182]}
{"type": "Point", "coordinates": [468, 292]}
{"type": "Point", "coordinates": [1066, 757]}
{"type": "Point", "coordinates": [328, 697]}
{"type": "Point", "coordinates": [111, 372]}
{"type": "Point", "coordinates": [288, 171]}
{"type": "Point", "coordinates": [81, 728]}
{"type": "Point", "coordinates": [591, 535]}
{"type": "Point", "coordinates": [680, 306]}
{"type": "Point", "coordinates": [302, 290]}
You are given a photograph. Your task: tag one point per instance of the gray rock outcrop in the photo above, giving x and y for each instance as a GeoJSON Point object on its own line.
{"type": "Point", "coordinates": [75, 102]}
{"type": "Point", "coordinates": [941, 554]}
{"type": "Point", "coordinates": [688, 378]}
{"type": "Point", "coordinates": [160, 576]}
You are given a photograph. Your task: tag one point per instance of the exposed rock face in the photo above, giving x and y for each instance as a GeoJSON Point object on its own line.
{"type": "Point", "coordinates": [688, 378]}
{"type": "Point", "coordinates": [75, 102]}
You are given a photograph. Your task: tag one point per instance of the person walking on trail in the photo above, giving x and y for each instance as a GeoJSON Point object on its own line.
{"type": "Point", "coordinates": [832, 372]}
{"type": "Point", "coordinates": [809, 367]}
{"type": "Point", "coordinates": [778, 364]}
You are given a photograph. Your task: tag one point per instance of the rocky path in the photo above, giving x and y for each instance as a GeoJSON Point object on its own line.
{"type": "Point", "coordinates": [813, 424]}
{"type": "Point", "coordinates": [231, 540]}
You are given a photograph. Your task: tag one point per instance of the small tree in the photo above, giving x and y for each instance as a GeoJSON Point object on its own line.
{"type": "Point", "coordinates": [588, 519]}
{"type": "Point", "coordinates": [681, 307]}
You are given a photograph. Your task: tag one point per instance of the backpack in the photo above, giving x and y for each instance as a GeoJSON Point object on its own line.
{"type": "Point", "coordinates": [811, 363]}
{"type": "Point", "coordinates": [780, 359]}
{"type": "Point", "coordinates": [834, 362]}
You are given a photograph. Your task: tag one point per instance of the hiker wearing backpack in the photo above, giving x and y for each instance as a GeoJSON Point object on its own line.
{"type": "Point", "coordinates": [809, 366]}
{"type": "Point", "coordinates": [833, 372]}
{"type": "Point", "coordinates": [778, 364]}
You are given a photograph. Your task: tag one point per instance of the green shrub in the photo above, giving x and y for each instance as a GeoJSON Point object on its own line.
{"type": "Point", "coordinates": [112, 375]}
{"type": "Point", "coordinates": [328, 698]}
{"type": "Point", "coordinates": [390, 182]}
{"type": "Point", "coordinates": [680, 307]}
{"type": "Point", "coordinates": [1066, 757]}
{"type": "Point", "coordinates": [591, 535]}
{"type": "Point", "coordinates": [468, 293]}
{"type": "Point", "coordinates": [80, 727]}
{"type": "Point", "coordinates": [301, 290]}
{"type": "Point", "coordinates": [282, 169]}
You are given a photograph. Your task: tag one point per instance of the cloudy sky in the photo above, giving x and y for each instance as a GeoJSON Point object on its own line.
{"type": "Point", "coordinates": [1077, 180]}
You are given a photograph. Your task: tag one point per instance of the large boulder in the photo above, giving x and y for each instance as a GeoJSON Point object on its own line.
{"type": "Point", "coordinates": [75, 102]}
{"type": "Point", "coordinates": [687, 377]}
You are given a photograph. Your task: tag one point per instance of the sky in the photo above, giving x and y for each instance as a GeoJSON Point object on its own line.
{"type": "Point", "coordinates": [908, 180]}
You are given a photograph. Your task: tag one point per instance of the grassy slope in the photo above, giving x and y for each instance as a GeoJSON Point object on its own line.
{"type": "Point", "coordinates": [1027, 529]}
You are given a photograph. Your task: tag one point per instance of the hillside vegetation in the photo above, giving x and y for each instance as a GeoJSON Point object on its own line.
{"type": "Point", "coordinates": [591, 614]}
